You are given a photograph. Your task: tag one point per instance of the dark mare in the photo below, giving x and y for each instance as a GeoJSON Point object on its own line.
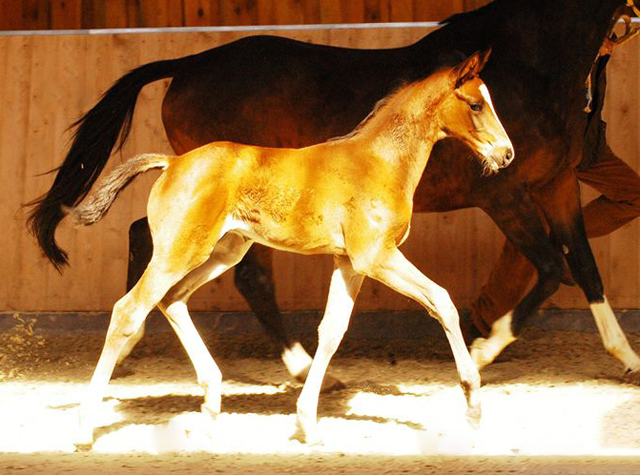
{"type": "Point", "coordinates": [249, 91]}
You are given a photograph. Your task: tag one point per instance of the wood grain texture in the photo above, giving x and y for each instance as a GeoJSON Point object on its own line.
{"type": "Point", "coordinates": [88, 14]}
{"type": "Point", "coordinates": [48, 81]}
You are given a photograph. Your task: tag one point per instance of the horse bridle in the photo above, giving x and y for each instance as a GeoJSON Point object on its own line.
{"type": "Point", "coordinates": [612, 40]}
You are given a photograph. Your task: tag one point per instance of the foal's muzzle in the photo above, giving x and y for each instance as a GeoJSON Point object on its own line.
{"type": "Point", "coordinates": [501, 157]}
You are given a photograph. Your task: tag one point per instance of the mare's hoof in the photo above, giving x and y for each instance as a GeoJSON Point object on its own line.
{"type": "Point", "coordinates": [330, 384]}
{"type": "Point", "coordinates": [122, 371]}
{"type": "Point", "coordinates": [477, 353]}
{"type": "Point", "coordinates": [632, 376]}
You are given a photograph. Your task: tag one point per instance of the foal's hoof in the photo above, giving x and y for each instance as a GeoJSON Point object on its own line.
{"type": "Point", "coordinates": [81, 447]}
{"type": "Point", "coordinates": [84, 441]}
{"type": "Point", "coordinates": [209, 414]}
{"type": "Point", "coordinates": [307, 437]}
{"type": "Point", "coordinates": [474, 416]}
{"type": "Point", "coordinates": [632, 376]}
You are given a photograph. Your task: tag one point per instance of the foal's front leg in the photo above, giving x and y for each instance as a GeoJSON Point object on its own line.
{"type": "Point", "coordinates": [394, 270]}
{"type": "Point", "coordinates": [344, 288]}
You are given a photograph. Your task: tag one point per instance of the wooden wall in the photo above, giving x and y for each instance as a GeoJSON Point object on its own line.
{"type": "Point", "coordinates": [86, 14]}
{"type": "Point", "coordinates": [48, 81]}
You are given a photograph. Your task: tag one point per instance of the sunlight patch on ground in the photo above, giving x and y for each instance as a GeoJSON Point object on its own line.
{"type": "Point", "coordinates": [516, 419]}
{"type": "Point", "coordinates": [417, 419]}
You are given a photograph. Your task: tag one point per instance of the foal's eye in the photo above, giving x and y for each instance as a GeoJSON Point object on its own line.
{"type": "Point", "coordinates": [477, 107]}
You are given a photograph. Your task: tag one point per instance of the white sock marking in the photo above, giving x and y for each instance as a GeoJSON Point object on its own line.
{"type": "Point", "coordinates": [485, 350]}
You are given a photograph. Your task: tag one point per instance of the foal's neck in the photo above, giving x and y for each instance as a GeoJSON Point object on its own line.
{"type": "Point", "coordinates": [403, 131]}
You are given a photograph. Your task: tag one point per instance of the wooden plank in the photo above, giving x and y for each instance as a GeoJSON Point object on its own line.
{"type": "Point", "coordinates": [11, 15]}
{"type": "Point", "coordinates": [622, 284]}
{"type": "Point", "coordinates": [14, 100]}
{"type": "Point", "coordinates": [469, 5]}
{"type": "Point", "coordinates": [116, 14]}
{"type": "Point", "coordinates": [266, 15]}
{"type": "Point", "coordinates": [436, 11]}
{"type": "Point", "coordinates": [335, 11]}
{"type": "Point", "coordinates": [105, 14]}
{"type": "Point", "coordinates": [239, 12]}
{"type": "Point", "coordinates": [312, 10]}
{"type": "Point", "coordinates": [289, 12]}
{"type": "Point", "coordinates": [376, 11]}
{"type": "Point", "coordinates": [37, 14]}
{"type": "Point", "coordinates": [401, 10]}
{"type": "Point", "coordinates": [66, 14]}
{"type": "Point", "coordinates": [354, 11]}
{"type": "Point", "coordinates": [197, 12]}
{"type": "Point", "coordinates": [155, 13]}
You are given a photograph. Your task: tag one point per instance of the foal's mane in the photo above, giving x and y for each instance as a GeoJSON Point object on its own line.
{"type": "Point", "coordinates": [379, 105]}
{"type": "Point", "coordinates": [386, 100]}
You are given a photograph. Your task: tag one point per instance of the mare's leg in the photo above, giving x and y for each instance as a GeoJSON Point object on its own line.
{"type": "Point", "coordinates": [227, 253]}
{"type": "Point", "coordinates": [345, 285]}
{"type": "Point", "coordinates": [561, 204]}
{"type": "Point", "coordinates": [394, 270]}
{"type": "Point", "coordinates": [520, 221]}
{"type": "Point", "coordinates": [618, 204]}
{"type": "Point", "coordinates": [508, 281]}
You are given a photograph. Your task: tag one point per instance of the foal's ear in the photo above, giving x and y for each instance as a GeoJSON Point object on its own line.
{"type": "Point", "coordinates": [471, 66]}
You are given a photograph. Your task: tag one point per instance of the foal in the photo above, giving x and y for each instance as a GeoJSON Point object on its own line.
{"type": "Point", "coordinates": [351, 197]}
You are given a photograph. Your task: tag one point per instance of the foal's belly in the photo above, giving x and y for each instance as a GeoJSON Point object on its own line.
{"type": "Point", "coordinates": [292, 235]}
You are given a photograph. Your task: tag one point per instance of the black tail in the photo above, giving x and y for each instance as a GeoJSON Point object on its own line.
{"type": "Point", "coordinates": [95, 136]}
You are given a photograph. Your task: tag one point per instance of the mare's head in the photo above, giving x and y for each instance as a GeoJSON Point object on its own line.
{"type": "Point", "coordinates": [467, 113]}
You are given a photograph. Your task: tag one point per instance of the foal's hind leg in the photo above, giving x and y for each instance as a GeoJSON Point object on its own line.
{"type": "Point", "coordinates": [394, 270]}
{"type": "Point", "coordinates": [127, 317]}
{"type": "Point", "coordinates": [345, 285]}
{"type": "Point", "coordinates": [227, 253]}
{"type": "Point", "coordinates": [140, 252]}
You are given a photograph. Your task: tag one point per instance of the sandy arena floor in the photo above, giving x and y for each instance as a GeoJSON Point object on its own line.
{"type": "Point", "coordinates": [553, 403]}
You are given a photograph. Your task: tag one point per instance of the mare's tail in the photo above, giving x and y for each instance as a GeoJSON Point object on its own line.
{"type": "Point", "coordinates": [95, 136]}
{"type": "Point", "coordinates": [101, 199]}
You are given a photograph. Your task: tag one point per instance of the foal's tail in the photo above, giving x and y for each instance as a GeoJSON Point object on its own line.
{"type": "Point", "coordinates": [101, 199]}
{"type": "Point", "coordinates": [96, 134]}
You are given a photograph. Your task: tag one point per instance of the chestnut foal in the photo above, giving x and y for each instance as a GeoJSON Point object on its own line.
{"type": "Point", "coordinates": [351, 197]}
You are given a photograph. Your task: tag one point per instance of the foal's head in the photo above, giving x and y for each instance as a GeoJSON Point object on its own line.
{"type": "Point", "coordinates": [468, 114]}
